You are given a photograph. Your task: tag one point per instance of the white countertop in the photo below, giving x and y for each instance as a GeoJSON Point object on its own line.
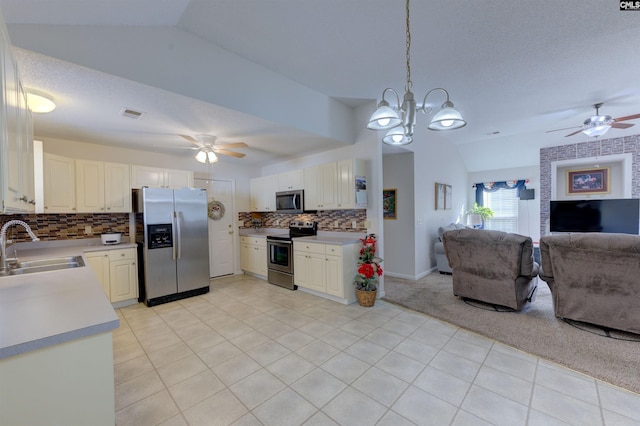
{"type": "Point", "coordinates": [46, 308]}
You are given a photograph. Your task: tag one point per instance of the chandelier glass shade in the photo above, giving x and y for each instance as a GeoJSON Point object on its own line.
{"type": "Point", "coordinates": [400, 119]}
{"type": "Point", "coordinates": [206, 155]}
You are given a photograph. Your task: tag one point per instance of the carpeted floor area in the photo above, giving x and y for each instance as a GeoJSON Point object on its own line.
{"type": "Point", "coordinates": [535, 329]}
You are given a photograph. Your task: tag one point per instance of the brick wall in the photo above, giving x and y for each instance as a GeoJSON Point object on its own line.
{"type": "Point", "coordinates": [592, 148]}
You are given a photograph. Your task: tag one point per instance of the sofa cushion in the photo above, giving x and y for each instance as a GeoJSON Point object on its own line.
{"type": "Point", "coordinates": [449, 227]}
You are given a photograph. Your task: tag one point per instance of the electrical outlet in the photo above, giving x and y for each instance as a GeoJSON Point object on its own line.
{"type": "Point", "coordinates": [336, 224]}
{"type": "Point", "coordinates": [367, 224]}
{"type": "Point", "coordinates": [354, 224]}
{"type": "Point", "coordinates": [277, 223]}
{"type": "Point", "coordinates": [88, 230]}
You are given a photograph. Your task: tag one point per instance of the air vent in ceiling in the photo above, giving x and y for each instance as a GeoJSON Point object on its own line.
{"type": "Point", "coordinates": [131, 113]}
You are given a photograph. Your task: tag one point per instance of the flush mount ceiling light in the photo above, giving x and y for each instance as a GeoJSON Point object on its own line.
{"type": "Point", "coordinates": [400, 119]}
{"type": "Point", "coordinates": [40, 102]}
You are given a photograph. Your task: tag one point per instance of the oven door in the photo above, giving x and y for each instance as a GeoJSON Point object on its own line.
{"type": "Point", "coordinates": [280, 256]}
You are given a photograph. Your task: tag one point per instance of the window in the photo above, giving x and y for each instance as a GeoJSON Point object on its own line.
{"type": "Point", "coordinates": [504, 203]}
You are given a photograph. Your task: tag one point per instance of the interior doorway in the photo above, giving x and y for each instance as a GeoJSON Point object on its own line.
{"type": "Point", "coordinates": [221, 226]}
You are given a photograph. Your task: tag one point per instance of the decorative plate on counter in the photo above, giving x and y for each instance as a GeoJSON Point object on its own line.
{"type": "Point", "coordinates": [216, 210]}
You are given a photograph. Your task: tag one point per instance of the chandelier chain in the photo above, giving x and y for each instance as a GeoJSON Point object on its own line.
{"type": "Point", "coordinates": [409, 82]}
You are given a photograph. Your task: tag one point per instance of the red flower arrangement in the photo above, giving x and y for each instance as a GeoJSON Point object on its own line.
{"type": "Point", "coordinates": [369, 268]}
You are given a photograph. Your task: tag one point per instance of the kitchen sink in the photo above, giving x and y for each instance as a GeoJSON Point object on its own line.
{"type": "Point", "coordinates": [43, 265]}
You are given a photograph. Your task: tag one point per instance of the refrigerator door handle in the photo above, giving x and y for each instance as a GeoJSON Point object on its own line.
{"type": "Point", "coordinates": [179, 234]}
{"type": "Point", "coordinates": [173, 235]}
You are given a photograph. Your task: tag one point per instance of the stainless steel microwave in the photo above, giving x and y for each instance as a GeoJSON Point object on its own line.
{"type": "Point", "coordinates": [290, 201]}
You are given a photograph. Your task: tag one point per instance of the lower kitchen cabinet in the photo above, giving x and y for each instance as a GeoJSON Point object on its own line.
{"type": "Point", "coordinates": [326, 268]}
{"type": "Point", "coordinates": [253, 255]}
{"type": "Point", "coordinates": [117, 272]}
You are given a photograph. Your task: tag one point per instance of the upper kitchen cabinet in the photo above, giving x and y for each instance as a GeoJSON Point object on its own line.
{"type": "Point", "coordinates": [16, 133]}
{"type": "Point", "coordinates": [154, 177]}
{"type": "Point", "coordinates": [102, 187]}
{"type": "Point", "coordinates": [338, 185]}
{"type": "Point", "coordinates": [263, 193]}
{"type": "Point", "coordinates": [59, 184]}
{"type": "Point", "coordinates": [290, 181]}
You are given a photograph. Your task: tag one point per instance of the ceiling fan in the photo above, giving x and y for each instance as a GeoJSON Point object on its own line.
{"type": "Point", "coordinates": [597, 125]}
{"type": "Point", "coordinates": [208, 149]}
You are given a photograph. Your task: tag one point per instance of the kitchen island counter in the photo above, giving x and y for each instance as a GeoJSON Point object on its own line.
{"type": "Point", "coordinates": [47, 308]}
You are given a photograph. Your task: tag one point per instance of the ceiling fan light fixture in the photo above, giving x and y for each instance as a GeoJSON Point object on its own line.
{"type": "Point", "coordinates": [206, 155]}
{"type": "Point", "coordinates": [597, 125]}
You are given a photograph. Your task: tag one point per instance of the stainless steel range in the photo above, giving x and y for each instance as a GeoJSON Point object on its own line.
{"type": "Point", "coordinates": [280, 252]}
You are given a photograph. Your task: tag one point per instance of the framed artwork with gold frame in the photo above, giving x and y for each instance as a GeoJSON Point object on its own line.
{"type": "Point", "coordinates": [588, 181]}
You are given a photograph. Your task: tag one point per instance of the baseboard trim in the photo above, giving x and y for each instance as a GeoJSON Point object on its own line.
{"type": "Point", "coordinates": [411, 277]}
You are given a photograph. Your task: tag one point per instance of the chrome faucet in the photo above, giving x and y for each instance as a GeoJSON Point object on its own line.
{"type": "Point", "coordinates": [3, 238]}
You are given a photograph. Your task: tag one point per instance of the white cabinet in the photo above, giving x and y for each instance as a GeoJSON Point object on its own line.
{"type": "Point", "coordinates": [263, 193]}
{"type": "Point", "coordinates": [154, 177]}
{"type": "Point", "coordinates": [102, 187]}
{"type": "Point", "coordinates": [59, 184]}
{"type": "Point", "coordinates": [16, 137]}
{"type": "Point", "coordinates": [117, 272]}
{"type": "Point", "coordinates": [337, 185]}
{"type": "Point", "coordinates": [253, 255]}
{"type": "Point", "coordinates": [290, 181]}
{"type": "Point", "coordinates": [326, 268]}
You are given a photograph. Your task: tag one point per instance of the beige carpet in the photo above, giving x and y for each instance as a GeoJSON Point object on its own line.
{"type": "Point", "coordinates": [534, 329]}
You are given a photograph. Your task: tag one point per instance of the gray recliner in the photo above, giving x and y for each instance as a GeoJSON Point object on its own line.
{"type": "Point", "coordinates": [441, 258]}
{"type": "Point", "coordinates": [492, 266]}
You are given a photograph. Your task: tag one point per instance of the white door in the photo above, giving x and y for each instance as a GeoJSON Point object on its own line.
{"type": "Point", "coordinates": [221, 231]}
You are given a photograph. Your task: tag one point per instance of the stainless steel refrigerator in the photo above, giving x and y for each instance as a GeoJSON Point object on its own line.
{"type": "Point", "coordinates": [175, 246]}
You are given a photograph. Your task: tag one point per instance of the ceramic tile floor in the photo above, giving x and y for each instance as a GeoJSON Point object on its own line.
{"type": "Point", "coordinates": [250, 353]}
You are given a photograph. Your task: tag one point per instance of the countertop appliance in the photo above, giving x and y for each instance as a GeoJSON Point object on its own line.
{"type": "Point", "coordinates": [290, 201]}
{"type": "Point", "coordinates": [280, 253]}
{"type": "Point", "coordinates": [175, 244]}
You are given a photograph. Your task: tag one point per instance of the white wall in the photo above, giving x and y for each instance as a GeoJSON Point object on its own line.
{"type": "Point", "coordinates": [528, 210]}
{"type": "Point", "coordinates": [399, 233]}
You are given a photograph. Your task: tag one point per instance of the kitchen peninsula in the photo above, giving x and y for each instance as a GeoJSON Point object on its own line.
{"type": "Point", "coordinates": [56, 353]}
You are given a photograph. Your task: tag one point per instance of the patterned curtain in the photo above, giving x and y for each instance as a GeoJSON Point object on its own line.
{"type": "Point", "coordinates": [495, 186]}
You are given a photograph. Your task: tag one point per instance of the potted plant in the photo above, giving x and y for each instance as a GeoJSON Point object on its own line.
{"type": "Point", "coordinates": [369, 270]}
{"type": "Point", "coordinates": [481, 212]}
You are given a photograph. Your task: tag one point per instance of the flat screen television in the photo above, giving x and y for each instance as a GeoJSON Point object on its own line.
{"type": "Point", "coordinates": [610, 215]}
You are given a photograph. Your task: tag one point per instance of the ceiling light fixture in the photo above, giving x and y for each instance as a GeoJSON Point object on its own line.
{"type": "Point", "coordinates": [40, 102]}
{"type": "Point", "coordinates": [206, 155]}
{"type": "Point", "coordinates": [401, 126]}
{"type": "Point", "coordinates": [597, 125]}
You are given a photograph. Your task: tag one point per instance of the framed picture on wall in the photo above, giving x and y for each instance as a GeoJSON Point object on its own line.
{"type": "Point", "coordinates": [588, 181]}
{"type": "Point", "coordinates": [440, 196]}
{"type": "Point", "coordinates": [448, 197]}
{"type": "Point", "coordinates": [389, 203]}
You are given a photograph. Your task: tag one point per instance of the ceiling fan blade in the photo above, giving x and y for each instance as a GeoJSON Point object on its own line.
{"type": "Point", "coordinates": [189, 138]}
{"type": "Point", "coordinates": [574, 133]}
{"type": "Point", "coordinates": [232, 145]}
{"type": "Point", "coordinates": [622, 125]}
{"type": "Point", "coordinates": [628, 117]}
{"type": "Point", "coordinates": [230, 153]}
{"type": "Point", "coordinates": [566, 128]}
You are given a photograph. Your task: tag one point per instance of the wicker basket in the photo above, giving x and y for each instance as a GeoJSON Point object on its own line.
{"type": "Point", "coordinates": [366, 298]}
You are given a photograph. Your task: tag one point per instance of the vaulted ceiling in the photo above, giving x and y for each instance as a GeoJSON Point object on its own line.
{"type": "Point", "coordinates": [285, 75]}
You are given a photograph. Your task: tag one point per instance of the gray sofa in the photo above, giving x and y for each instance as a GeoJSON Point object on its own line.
{"type": "Point", "coordinates": [594, 278]}
{"type": "Point", "coordinates": [441, 258]}
{"type": "Point", "coordinates": [492, 266]}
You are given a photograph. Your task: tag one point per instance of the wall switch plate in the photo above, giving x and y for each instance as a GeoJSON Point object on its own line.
{"type": "Point", "coordinates": [367, 224]}
{"type": "Point", "coordinates": [354, 224]}
{"type": "Point", "coordinates": [88, 230]}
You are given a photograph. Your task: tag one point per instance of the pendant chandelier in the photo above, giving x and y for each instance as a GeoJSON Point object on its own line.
{"type": "Point", "coordinates": [400, 119]}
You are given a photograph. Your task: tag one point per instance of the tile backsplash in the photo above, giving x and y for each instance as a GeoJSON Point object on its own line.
{"type": "Point", "coordinates": [67, 226]}
{"type": "Point", "coordinates": [328, 220]}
